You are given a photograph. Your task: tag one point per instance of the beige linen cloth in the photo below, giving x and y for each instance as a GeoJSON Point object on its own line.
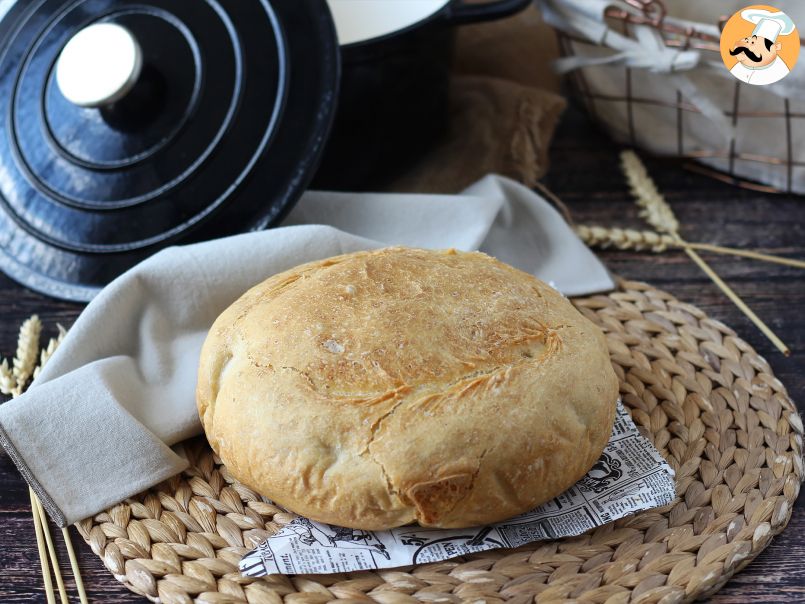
{"type": "Point", "coordinates": [504, 107]}
{"type": "Point", "coordinates": [98, 425]}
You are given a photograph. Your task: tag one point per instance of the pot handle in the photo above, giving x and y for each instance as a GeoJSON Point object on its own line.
{"type": "Point", "coordinates": [462, 11]}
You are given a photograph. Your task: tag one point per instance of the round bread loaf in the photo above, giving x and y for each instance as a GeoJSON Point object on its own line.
{"type": "Point", "coordinates": [378, 388]}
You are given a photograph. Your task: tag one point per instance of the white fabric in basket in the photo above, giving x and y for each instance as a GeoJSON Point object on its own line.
{"type": "Point", "coordinates": [660, 73]}
{"type": "Point", "coordinates": [98, 424]}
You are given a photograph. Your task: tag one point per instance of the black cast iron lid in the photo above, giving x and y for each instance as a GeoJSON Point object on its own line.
{"type": "Point", "coordinates": [217, 130]}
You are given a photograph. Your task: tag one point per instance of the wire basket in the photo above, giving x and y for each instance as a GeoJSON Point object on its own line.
{"type": "Point", "coordinates": [652, 74]}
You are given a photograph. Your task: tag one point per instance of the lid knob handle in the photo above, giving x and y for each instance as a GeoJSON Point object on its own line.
{"type": "Point", "coordinates": [99, 65]}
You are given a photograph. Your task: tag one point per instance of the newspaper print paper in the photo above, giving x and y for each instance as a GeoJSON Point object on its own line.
{"type": "Point", "coordinates": [630, 476]}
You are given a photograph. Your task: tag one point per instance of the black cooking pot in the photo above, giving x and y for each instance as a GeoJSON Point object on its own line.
{"type": "Point", "coordinates": [207, 119]}
{"type": "Point", "coordinates": [393, 103]}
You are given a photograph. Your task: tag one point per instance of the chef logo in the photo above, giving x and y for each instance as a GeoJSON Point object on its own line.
{"type": "Point", "coordinates": [760, 45]}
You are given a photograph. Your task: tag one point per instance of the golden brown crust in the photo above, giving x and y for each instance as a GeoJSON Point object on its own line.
{"type": "Point", "coordinates": [378, 388]}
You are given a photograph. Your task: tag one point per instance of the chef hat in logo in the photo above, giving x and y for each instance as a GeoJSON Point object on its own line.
{"type": "Point", "coordinates": [769, 25]}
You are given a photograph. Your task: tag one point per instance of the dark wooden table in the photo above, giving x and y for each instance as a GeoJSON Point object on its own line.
{"type": "Point", "coordinates": [585, 174]}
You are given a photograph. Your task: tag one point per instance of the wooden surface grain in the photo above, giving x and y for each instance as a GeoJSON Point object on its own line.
{"type": "Point", "coordinates": [585, 174]}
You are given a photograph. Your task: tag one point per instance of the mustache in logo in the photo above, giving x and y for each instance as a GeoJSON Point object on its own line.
{"type": "Point", "coordinates": [752, 56]}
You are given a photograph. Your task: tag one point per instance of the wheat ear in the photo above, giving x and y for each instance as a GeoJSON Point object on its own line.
{"type": "Point", "coordinates": [624, 239]}
{"type": "Point", "coordinates": [7, 380]}
{"type": "Point", "coordinates": [27, 353]}
{"type": "Point", "coordinates": [48, 351]}
{"type": "Point", "coordinates": [653, 207]}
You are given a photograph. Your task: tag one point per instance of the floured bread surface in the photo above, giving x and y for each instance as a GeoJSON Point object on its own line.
{"type": "Point", "coordinates": [378, 388]}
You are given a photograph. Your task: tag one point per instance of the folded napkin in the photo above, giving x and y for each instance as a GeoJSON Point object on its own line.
{"type": "Point", "coordinates": [99, 422]}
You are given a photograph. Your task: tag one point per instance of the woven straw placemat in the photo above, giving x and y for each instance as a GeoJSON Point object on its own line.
{"type": "Point", "coordinates": [706, 399]}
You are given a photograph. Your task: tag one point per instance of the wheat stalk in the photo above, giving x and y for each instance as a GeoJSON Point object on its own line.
{"type": "Point", "coordinates": [656, 211]}
{"type": "Point", "coordinates": [641, 241]}
{"type": "Point", "coordinates": [718, 249]}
